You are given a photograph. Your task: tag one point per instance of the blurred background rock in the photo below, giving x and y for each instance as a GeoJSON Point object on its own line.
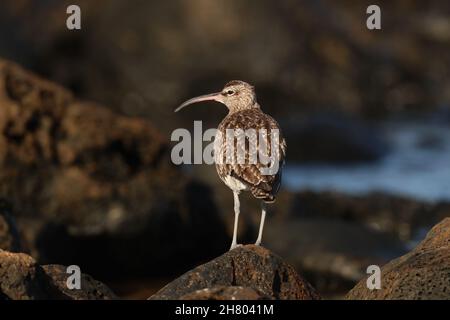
{"type": "Point", "coordinates": [366, 115]}
{"type": "Point", "coordinates": [142, 57]}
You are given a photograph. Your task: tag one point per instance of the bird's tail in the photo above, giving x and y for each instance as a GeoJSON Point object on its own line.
{"type": "Point", "coordinates": [263, 195]}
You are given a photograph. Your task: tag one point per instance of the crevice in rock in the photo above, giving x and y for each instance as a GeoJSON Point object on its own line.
{"type": "Point", "coordinates": [276, 284]}
{"type": "Point", "coordinates": [233, 268]}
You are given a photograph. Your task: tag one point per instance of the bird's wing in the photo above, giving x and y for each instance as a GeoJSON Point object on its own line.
{"type": "Point", "coordinates": [247, 170]}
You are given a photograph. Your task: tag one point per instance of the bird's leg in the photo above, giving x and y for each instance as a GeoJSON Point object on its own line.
{"type": "Point", "coordinates": [236, 219]}
{"type": "Point", "coordinates": [261, 224]}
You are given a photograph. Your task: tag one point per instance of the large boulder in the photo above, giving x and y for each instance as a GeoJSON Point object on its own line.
{"type": "Point", "coordinates": [247, 266]}
{"type": "Point", "coordinates": [21, 278]}
{"type": "Point", "coordinates": [423, 273]}
{"type": "Point", "coordinates": [96, 188]}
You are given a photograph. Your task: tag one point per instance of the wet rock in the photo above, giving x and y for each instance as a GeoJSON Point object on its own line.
{"type": "Point", "coordinates": [21, 278]}
{"type": "Point", "coordinates": [332, 255]}
{"type": "Point", "coordinates": [225, 293]}
{"type": "Point", "coordinates": [247, 266]}
{"type": "Point", "coordinates": [423, 273]}
{"type": "Point", "coordinates": [97, 188]}
{"type": "Point", "coordinates": [9, 236]}
{"type": "Point", "coordinates": [334, 139]}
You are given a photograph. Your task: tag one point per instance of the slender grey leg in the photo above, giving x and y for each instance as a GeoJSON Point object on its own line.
{"type": "Point", "coordinates": [236, 219]}
{"type": "Point", "coordinates": [261, 224]}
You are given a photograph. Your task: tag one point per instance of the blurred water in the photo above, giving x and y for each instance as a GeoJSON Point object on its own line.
{"type": "Point", "coordinates": [418, 165]}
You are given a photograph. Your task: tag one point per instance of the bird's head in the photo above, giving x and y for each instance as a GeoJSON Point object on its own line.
{"type": "Point", "coordinates": [236, 95]}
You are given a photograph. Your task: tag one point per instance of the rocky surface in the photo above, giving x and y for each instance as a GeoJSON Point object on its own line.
{"type": "Point", "coordinates": [21, 278]}
{"type": "Point", "coordinates": [331, 237]}
{"type": "Point", "coordinates": [247, 266]}
{"type": "Point", "coordinates": [91, 289]}
{"type": "Point", "coordinates": [423, 273]}
{"type": "Point", "coordinates": [92, 186]}
{"type": "Point", "coordinates": [225, 293]}
{"type": "Point", "coordinates": [9, 236]}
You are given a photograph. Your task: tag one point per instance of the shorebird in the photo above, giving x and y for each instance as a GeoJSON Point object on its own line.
{"type": "Point", "coordinates": [245, 113]}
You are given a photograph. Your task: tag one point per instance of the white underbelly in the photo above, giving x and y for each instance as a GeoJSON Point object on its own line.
{"type": "Point", "coordinates": [234, 184]}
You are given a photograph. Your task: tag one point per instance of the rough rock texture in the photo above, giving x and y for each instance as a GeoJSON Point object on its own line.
{"type": "Point", "coordinates": [9, 236]}
{"type": "Point", "coordinates": [91, 289]}
{"type": "Point", "coordinates": [21, 278]}
{"type": "Point", "coordinates": [424, 273]}
{"type": "Point", "coordinates": [247, 266]}
{"type": "Point", "coordinates": [225, 293]}
{"type": "Point", "coordinates": [96, 187]}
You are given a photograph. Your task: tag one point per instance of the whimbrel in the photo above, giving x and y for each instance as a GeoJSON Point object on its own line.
{"type": "Point", "coordinates": [245, 113]}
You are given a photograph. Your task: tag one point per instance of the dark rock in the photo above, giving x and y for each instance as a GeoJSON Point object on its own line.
{"type": "Point", "coordinates": [9, 236]}
{"type": "Point", "coordinates": [423, 273]}
{"type": "Point", "coordinates": [333, 139]}
{"type": "Point", "coordinates": [247, 266]}
{"type": "Point", "coordinates": [21, 278]}
{"type": "Point", "coordinates": [332, 255]}
{"type": "Point", "coordinates": [225, 293]}
{"type": "Point", "coordinates": [91, 289]}
{"type": "Point", "coordinates": [95, 188]}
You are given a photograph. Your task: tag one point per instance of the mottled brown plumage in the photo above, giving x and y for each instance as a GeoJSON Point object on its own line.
{"type": "Point", "coordinates": [236, 168]}
{"type": "Point", "coordinates": [264, 187]}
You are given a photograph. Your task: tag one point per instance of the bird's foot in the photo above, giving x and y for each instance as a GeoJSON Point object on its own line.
{"type": "Point", "coordinates": [258, 243]}
{"type": "Point", "coordinates": [235, 245]}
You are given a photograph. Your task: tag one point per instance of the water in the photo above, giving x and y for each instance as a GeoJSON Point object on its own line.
{"type": "Point", "coordinates": [418, 166]}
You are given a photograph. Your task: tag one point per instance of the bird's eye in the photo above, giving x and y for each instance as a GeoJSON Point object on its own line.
{"type": "Point", "coordinates": [230, 92]}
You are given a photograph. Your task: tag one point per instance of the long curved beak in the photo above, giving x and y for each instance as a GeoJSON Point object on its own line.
{"type": "Point", "coordinates": [207, 97]}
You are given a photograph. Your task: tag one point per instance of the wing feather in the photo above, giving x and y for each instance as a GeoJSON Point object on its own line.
{"type": "Point", "coordinates": [244, 167]}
